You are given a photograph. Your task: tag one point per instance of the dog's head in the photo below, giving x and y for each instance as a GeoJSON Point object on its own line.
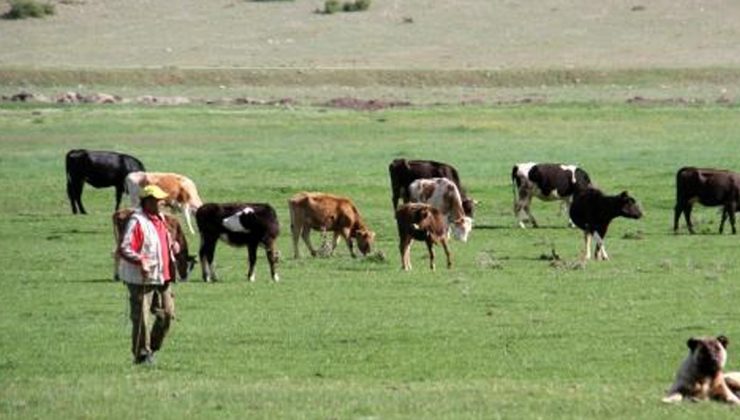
{"type": "Point", "coordinates": [709, 353]}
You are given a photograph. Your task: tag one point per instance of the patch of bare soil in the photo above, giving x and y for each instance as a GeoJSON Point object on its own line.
{"type": "Point", "coordinates": [363, 104]}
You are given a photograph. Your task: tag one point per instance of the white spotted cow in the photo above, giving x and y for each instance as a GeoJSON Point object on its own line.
{"type": "Point", "coordinates": [546, 181]}
{"type": "Point", "coordinates": [443, 195]}
{"type": "Point", "coordinates": [237, 224]}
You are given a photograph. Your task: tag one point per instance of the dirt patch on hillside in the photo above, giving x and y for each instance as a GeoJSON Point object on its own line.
{"type": "Point", "coordinates": [364, 105]}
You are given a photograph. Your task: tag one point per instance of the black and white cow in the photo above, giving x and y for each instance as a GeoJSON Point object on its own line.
{"type": "Point", "coordinates": [592, 212]}
{"type": "Point", "coordinates": [709, 187]}
{"type": "Point", "coordinates": [100, 169]}
{"type": "Point", "coordinates": [403, 172]}
{"type": "Point", "coordinates": [237, 224]}
{"type": "Point", "coordinates": [546, 181]}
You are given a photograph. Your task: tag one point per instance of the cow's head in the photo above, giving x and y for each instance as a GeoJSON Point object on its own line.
{"type": "Point", "coordinates": [708, 353]}
{"type": "Point", "coordinates": [461, 228]}
{"type": "Point", "coordinates": [365, 239]}
{"type": "Point", "coordinates": [184, 264]}
{"type": "Point", "coordinates": [628, 207]}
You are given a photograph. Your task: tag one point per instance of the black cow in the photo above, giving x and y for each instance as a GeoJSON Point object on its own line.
{"type": "Point", "coordinates": [101, 170]}
{"type": "Point", "coordinates": [546, 181]}
{"type": "Point", "coordinates": [403, 172]}
{"type": "Point", "coordinates": [592, 211]}
{"type": "Point", "coordinates": [710, 187]}
{"type": "Point", "coordinates": [238, 224]}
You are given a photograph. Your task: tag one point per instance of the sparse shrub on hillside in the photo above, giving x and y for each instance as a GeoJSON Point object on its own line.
{"type": "Point", "coordinates": [22, 9]}
{"type": "Point", "coordinates": [334, 6]}
{"type": "Point", "coordinates": [356, 6]}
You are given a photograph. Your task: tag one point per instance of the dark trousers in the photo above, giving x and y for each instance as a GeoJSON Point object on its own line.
{"type": "Point", "coordinates": [145, 301]}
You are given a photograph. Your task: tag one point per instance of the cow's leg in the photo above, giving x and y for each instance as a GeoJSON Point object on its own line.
{"type": "Point", "coordinates": [187, 212]}
{"type": "Point", "coordinates": [443, 242]}
{"type": "Point", "coordinates": [206, 252]}
{"type": "Point", "coordinates": [306, 234]}
{"type": "Point", "coordinates": [731, 209]}
{"type": "Point", "coordinates": [119, 195]}
{"type": "Point", "coordinates": [348, 238]}
{"type": "Point", "coordinates": [295, 231]}
{"type": "Point", "coordinates": [404, 246]}
{"type": "Point", "coordinates": [677, 210]}
{"type": "Point", "coordinates": [252, 258]}
{"type": "Point", "coordinates": [587, 248]}
{"type": "Point", "coordinates": [430, 249]}
{"type": "Point", "coordinates": [272, 260]}
{"type": "Point", "coordinates": [687, 217]}
{"type": "Point", "coordinates": [74, 190]}
{"type": "Point", "coordinates": [600, 253]}
{"type": "Point", "coordinates": [522, 202]}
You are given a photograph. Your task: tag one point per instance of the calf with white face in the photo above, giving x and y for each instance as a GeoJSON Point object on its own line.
{"type": "Point", "coordinates": [237, 224]}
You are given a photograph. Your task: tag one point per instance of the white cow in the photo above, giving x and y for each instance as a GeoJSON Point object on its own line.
{"type": "Point", "coordinates": [442, 194]}
{"type": "Point", "coordinates": [183, 195]}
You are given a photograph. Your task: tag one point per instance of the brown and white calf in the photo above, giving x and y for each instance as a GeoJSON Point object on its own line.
{"type": "Point", "coordinates": [592, 212]}
{"type": "Point", "coordinates": [328, 213]}
{"type": "Point", "coordinates": [183, 195]}
{"type": "Point", "coordinates": [421, 222]}
{"type": "Point", "coordinates": [237, 224]}
{"type": "Point", "coordinates": [546, 181]}
{"type": "Point", "coordinates": [183, 262]}
{"type": "Point", "coordinates": [442, 194]}
{"type": "Point", "coordinates": [709, 187]}
{"type": "Point", "coordinates": [403, 172]}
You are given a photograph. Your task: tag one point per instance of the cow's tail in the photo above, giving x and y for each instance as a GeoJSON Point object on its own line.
{"type": "Point", "coordinates": [515, 182]}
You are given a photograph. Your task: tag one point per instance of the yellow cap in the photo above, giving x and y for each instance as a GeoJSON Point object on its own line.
{"type": "Point", "coordinates": [152, 191]}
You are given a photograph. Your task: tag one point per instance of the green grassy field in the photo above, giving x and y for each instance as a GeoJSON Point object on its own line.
{"type": "Point", "coordinates": [504, 334]}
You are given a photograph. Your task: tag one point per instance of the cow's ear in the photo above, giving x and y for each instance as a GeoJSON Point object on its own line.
{"type": "Point", "coordinates": [624, 194]}
{"type": "Point", "coordinates": [723, 340]}
{"type": "Point", "coordinates": [692, 343]}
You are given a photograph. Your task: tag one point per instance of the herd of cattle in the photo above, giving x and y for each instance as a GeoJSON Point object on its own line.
{"type": "Point", "coordinates": [435, 206]}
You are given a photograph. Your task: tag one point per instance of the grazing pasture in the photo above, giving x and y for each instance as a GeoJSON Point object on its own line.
{"type": "Point", "coordinates": [509, 332]}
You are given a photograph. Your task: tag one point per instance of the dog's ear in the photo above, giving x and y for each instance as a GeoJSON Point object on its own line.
{"type": "Point", "coordinates": [692, 343]}
{"type": "Point", "coordinates": [723, 340]}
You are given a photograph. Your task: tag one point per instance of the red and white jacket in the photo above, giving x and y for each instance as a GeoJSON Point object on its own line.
{"type": "Point", "coordinates": [146, 238]}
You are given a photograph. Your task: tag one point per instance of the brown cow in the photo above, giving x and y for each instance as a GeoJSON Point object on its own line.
{"type": "Point", "coordinates": [421, 222]}
{"type": "Point", "coordinates": [710, 187]}
{"type": "Point", "coordinates": [183, 195]}
{"type": "Point", "coordinates": [327, 212]}
{"type": "Point", "coordinates": [183, 263]}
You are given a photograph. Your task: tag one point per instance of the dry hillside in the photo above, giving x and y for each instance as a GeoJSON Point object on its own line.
{"type": "Point", "coordinates": [408, 34]}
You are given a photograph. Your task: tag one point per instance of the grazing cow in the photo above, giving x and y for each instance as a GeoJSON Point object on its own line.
{"type": "Point", "coordinates": [237, 224]}
{"type": "Point", "coordinates": [710, 187]}
{"type": "Point", "coordinates": [546, 181]}
{"type": "Point", "coordinates": [184, 262]}
{"type": "Point", "coordinates": [421, 222]}
{"type": "Point", "coordinates": [592, 211]}
{"type": "Point", "coordinates": [99, 169]}
{"type": "Point", "coordinates": [183, 195]}
{"type": "Point", "coordinates": [403, 172]}
{"type": "Point", "coordinates": [327, 212]}
{"type": "Point", "coordinates": [442, 194]}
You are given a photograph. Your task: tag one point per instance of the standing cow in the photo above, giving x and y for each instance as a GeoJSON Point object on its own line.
{"type": "Point", "coordinates": [546, 181]}
{"type": "Point", "coordinates": [237, 224]}
{"type": "Point", "coordinates": [181, 191]}
{"type": "Point", "coordinates": [442, 194]}
{"type": "Point", "coordinates": [327, 212]}
{"type": "Point", "coordinates": [403, 172]}
{"type": "Point", "coordinates": [183, 262]}
{"type": "Point", "coordinates": [710, 187]}
{"type": "Point", "coordinates": [592, 212]}
{"type": "Point", "coordinates": [100, 169]}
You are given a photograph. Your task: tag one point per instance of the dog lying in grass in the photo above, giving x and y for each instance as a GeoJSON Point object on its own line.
{"type": "Point", "coordinates": [701, 374]}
